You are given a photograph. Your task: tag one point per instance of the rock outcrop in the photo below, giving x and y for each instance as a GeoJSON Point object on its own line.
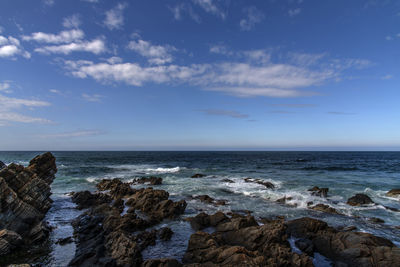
{"type": "Point", "coordinates": [198, 175]}
{"type": "Point", "coordinates": [107, 237]}
{"type": "Point", "coordinates": [24, 202]}
{"type": "Point", "coordinates": [391, 193]}
{"type": "Point", "coordinates": [267, 184]}
{"type": "Point", "coordinates": [320, 192]}
{"type": "Point", "coordinates": [344, 248]}
{"type": "Point", "coordinates": [240, 241]}
{"type": "Point", "coordinates": [209, 200]}
{"type": "Point", "coordinates": [2, 165]}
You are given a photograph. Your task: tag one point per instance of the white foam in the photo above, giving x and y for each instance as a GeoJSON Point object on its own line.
{"type": "Point", "coordinates": [91, 179]}
{"type": "Point", "coordinates": [164, 170]}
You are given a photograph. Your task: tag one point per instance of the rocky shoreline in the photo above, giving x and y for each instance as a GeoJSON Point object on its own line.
{"type": "Point", "coordinates": [118, 222]}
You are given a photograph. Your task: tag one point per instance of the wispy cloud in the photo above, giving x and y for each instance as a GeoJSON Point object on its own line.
{"type": "Point", "coordinates": [222, 112]}
{"type": "Point", "coordinates": [48, 2]}
{"type": "Point", "coordinates": [282, 112]}
{"type": "Point", "coordinates": [73, 21]}
{"type": "Point", "coordinates": [294, 12]}
{"type": "Point", "coordinates": [11, 47]}
{"type": "Point", "coordinates": [62, 37]}
{"type": "Point", "coordinates": [92, 98]}
{"type": "Point", "coordinates": [74, 134]}
{"type": "Point", "coordinates": [253, 16]}
{"type": "Point", "coordinates": [156, 54]}
{"type": "Point", "coordinates": [387, 77]}
{"type": "Point", "coordinates": [115, 17]}
{"type": "Point", "coordinates": [340, 113]}
{"type": "Point", "coordinates": [9, 107]}
{"type": "Point", "coordinates": [5, 87]}
{"type": "Point", "coordinates": [96, 46]}
{"type": "Point", "coordinates": [293, 105]}
{"type": "Point", "coordinates": [180, 10]}
{"type": "Point", "coordinates": [210, 7]}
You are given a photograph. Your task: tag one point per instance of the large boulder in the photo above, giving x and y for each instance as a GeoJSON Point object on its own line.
{"type": "Point", "coordinates": [391, 193]}
{"type": "Point", "coordinates": [320, 192]}
{"type": "Point", "coordinates": [2, 165]}
{"type": "Point", "coordinates": [25, 199]}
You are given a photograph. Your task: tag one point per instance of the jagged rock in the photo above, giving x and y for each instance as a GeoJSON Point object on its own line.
{"type": "Point", "coordinates": [305, 245]}
{"type": "Point", "coordinates": [161, 263]}
{"type": "Point", "coordinates": [85, 199]}
{"type": "Point", "coordinates": [346, 248]}
{"type": "Point", "coordinates": [165, 233]}
{"type": "Point", "coordinates": [203, 220]}
{"type": "Point", "coordinates": [284, 199]}
{"type": "Point", "coordinates": [9, 240]}
{"type": "Point", "coordinates": [151, 180]}
{"type": "Point", "coordinates": [376, 220]}
{"type": "Point", "coordinates": [2, 165]}
{"type": "Point", "coordinates": [324, 208]}
{"type": "Point", "coordinates": [359, 200]}
{"type": "Point", "coordinates": [320, 192]}
{"type": "Point", "coordinates": [25, 199]}
{"type": "Point", "coordinates": [64, 241]}
{"type": "Point", "coordinates": [209, 200]}
{"type": "Point", "coordinates": [227, 181]}
{"type": "Point", "coordinates": [391, 193]}
{"type": "Point", "coordinates": [198, 175]}
{"type": "Point", "coordinates": [261, 182]}
{"type": "Point", "coordinates": [349, 228]}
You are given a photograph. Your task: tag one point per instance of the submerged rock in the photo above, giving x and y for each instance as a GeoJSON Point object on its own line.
{"type": "Point", "coordinates": [268, 185]}
{"type": "Point", "coordinates": [198, 175]}
{"type": "Point", "coordinates": [85, 199]}
{"type": "Point", "coordinates": [391, 193]}
{"type": "Point", "coordinates": [151, 180]}
{"type": "Point", "coordinates": [209, 200]}
{"type": "Point", "coordinates": [24, 202]}
{"type": "Point", "coordinates": [324, 208]}
{"type": "Point", "coordinates": [359, 200]}
{"type": "Point", "coordinates": [320, 192]}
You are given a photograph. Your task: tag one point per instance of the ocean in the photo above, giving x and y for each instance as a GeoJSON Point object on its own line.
{"type": "Point", "coordinates": [292, 173]}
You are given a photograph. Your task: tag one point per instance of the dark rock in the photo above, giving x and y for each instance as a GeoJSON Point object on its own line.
{"type": "Point", "coordinates": [227, 181]}
{"type": "Point", "coordinates": [85, 199]}
{"type": "Point", "coordinates": [117, 188]}
{"type": "Point", "coordinates": [24, 201]}
{"type": "Point", "coordinates": [349, 228]}
{"type": "Point", "coordinates": [284, 199]}
{"type": "Point", "coordinates": [376, 220]}
{"type": "Point", "coordinates": [320, 192]}
{"type": "Point", "coordinates": [209, 200]}
{"type": "Point", "coordinates": [161, 263]}
{"type": "Point", "coordinates": [2, 165]}
{"type": "Point", "coordinates": [346, 248]}
{"type": "Point", "coordinates": [261, 182]}
{"type": "Point", "coordinates": [359, 200]}
{"type": "Point", "coordinates": [324, 208]}
{"type": "Point", "coordinates": [165, 233]}
{"type": "Point", "coordinates": [305, 245]}
{"type": "Point", "coordinates": [119, 204]}
{"type": "Point", "coordinates": [391, 193]}
{"type": "Point", "coordinates": [151, 180]}
{"type": "Point", "coordinates": [64, 241]}
{"type": "Point", "coordinates": [198, 175]}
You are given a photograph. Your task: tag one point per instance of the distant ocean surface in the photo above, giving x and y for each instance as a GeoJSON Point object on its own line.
{"type": "Point", "coordinates": [344, 173]}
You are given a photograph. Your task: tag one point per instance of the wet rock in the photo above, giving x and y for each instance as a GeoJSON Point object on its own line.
{"type": "Point", "coordinates": [391, 193]}
{"type": "Point", "coordinates": [25, 200]}
{"type": "Point", "coordinates": [261, 182]}
{"type": "Point", "coordinates": [85, 199]}
{"type": "Point", "coordinates": [118, 189]}
{"type": "Point", "coordinates": [359, 200]}
{"type": "Point", "coordinates": [165, 233]}
{"type": "Point", "coordinates": [150, 180]}
{"type": "Point", "coordinates": [324, 208]}
{"type": "Point", "coordinates": [198, 175]}
{"type": "Point", "coordinates": [64, 241]}
{"type": "Point", "coordinates": [209, 200]}
{"type": "Point", "coordinates": [227, 181]}
{"type": "Point", "coordinates": [284, 199]}
{"type": "Point", "coordinates": [346, 248]}
{"type": "Point", "coordinates": [349, 228]}
{"type": "Point", "coordinates": [203, 220]}
{"type": "Point", "coordinates": [119, 204]}
{"type": "Point", "coordinates": [376, 220]}
{"type": "Point", "coordinates": [320, 192]}
{"type": "Point", "coordinates": [9, 241]}
{"type": "Point", "coordinates": [2, 165]}
{"type": "Point", "coordinates": [161, 263]}
{"type": "Point", "coordinates": [305, 245]}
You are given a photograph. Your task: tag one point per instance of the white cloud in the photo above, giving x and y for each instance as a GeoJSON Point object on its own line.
{"type": "Point", "coordinates": [62, 37]}
{"type": "Point", "coordinates": [253, 16]}
{"type": "Point", "coordinates": [96, 46]}
{"type": "Point", "coordinates": [48, 2]}
{"type": "Point", "coordinates": [81, 133]}
{"type": "Point", "coordinates": [8, 105]}
{"type": "Point", "coordinates": [91, 1]}
{"type": "Point", "coordinates": [73, 21]}
{"type": "Point", "coordinates": [92, 98]}
{"type": "Point", "coordinates": [156, 54]}
{"type": "Point", "coordinates": [294, 12]}
{"type": "Point", "coordinates": [387, 77]}
{"type": "Point", "coordinates": [179, 10]}
{"type": "Point", "coordinates": [210, 7]}
{"type": "Point", "coordinates": [222, 112]}
{"type": "Point", "coordinates": [4, 87]}
{"type": "Point", "coordinates": [262, 91]}
{"type": "Point", "coordinates": [11, 47]}
{"type": "Point", "coordinates": [1, 29]}
{"type": "Point", "coordinates": [221, 49]}
{"type": "Point", "coordinates": [114, 17]}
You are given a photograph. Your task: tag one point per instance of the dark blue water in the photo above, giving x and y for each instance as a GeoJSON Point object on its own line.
{"type": "Point", "coordinates": [345, 173]}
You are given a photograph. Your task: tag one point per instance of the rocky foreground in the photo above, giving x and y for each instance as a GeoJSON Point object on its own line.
{"type": "Point", "coordinates": [24, 202]}
{"type": "Point", "coordinates": [118, 222]}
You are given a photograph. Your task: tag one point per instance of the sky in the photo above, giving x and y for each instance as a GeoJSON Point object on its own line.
{"type": "Point", "coordinates": [199, 75]}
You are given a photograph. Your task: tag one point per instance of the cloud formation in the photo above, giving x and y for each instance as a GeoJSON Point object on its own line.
{"type": "Point", "coordinates": [73, 21]}
{"type": "Point", "coordinates": [96, 46]}
{"type": "Point", "coordinates": [222, 112]}
{"type": "Point", "coordinates": [92, 98]}
{"type": "Point", "coordinates": [156, 54]}
{"type": "Point", "coordinates": [60, 38]}
{"type": "Point", "coordinates": [253, 16]}
{"type": "Point", "coordinates": [11, 47]}
{"type": "Point", "coordinates": [81, 133]}
{"type": "Point", "coordinates": [294, 12]}
{"type": "Point", "coordinates": [115, 17]}
{"type": "Point", "coordinates": [179, 10]}
{"type": "Point", "coordinates": [210, 7]}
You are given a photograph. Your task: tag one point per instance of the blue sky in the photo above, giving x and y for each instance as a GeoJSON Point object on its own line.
{"type": "Point", "coordinates": [199, 75]}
